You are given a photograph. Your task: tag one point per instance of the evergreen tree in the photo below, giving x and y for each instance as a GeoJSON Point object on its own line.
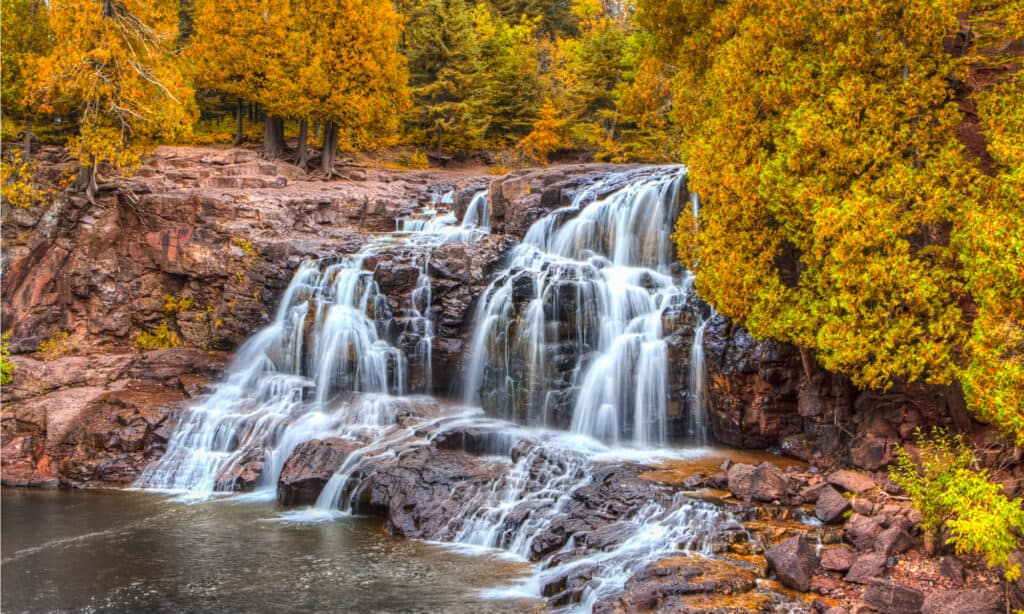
{"type": "Point", "coordinates": [442, 54]}
{"type": "Point", "coordinates": [506, 80]}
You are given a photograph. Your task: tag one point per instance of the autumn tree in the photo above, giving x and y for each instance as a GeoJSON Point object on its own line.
{"type": "Point", "coordinates": [113, 60]}
{"type": "Point", "coordinates": [242, 52]}
{"type": "Point", "coordinates": [840, 210]}
{"type": "Point", "coordinates": [355, 79]}
{"type": "Point", "coordinates": [23, 43]}
{"type": "Point", "coordinates": [988, 233]}
{"type": "Point", "coordinates": [545, 137]}
{"type": "Point", "coordinates": [819, 141]}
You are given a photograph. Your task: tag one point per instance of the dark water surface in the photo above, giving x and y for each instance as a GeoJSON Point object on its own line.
{"type": "Point", "coordinates": [140, 552]}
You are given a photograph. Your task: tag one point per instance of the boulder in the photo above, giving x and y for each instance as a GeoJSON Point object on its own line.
{"type": "Point", "coordinates": [851, 481]}
{"type": "Point", "coordinates": [862, 531]}
{"type": "Point", "coordinates": [970, 601]}
{"type": "Point", "coordinates": [893, 540]}
{"type": "Point", "coordinates": [890, 597]}
{"type": "Point", "coordinates": [866, 567]}
{"type": "Point", "coordinates": [838, 559]}
{"type": "Point", "coordinates": [831, 505]}
{"type": "Point", "coordinates": [764, 482]}
{"type": "Point", "coordinates": [244, 473]}
{"type": "Point", "coordinates": [794, 562]}
{"type": "Point", "coordinates": [310, 466]}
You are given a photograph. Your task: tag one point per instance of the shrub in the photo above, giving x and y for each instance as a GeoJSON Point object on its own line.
{"type": "Point", "coordinates": [18, 177]}
{"type": "Point", "coordinates": [245, 245]}
{"type": "Point", "coordinates": [948, 492]}
{"type": "Point", "coordinates": [57, 344]}
{"type": "Point", "coordinates": [6, 366]}
{"type": "Point", "coordinates": [160, 339]}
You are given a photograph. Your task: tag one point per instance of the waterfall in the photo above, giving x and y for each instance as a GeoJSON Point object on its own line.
{"type": "Point", "coordinates": [577, 332]}
{"type": "Point", "coordinates": [293, 381]}
{"type": "Point", "coordinates": [571, 333]}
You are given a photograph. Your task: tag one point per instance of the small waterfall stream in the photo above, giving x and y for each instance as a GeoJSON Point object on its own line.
{"type": "Point", "coordinates": [572, 334]}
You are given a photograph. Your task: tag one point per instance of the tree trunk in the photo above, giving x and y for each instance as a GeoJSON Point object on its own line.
{"type": "Point", "coordinates": [86, 180]}
{"type": "Point", "coordinates": [240, 123]}
{"type": "Point", "coordinates": [958, 407]}
{"type": "Point", "coordinates": [439, 152]}
{"type": "Point", "coordinates": [28, 139]}
{"type": "Point", "coordinates": [330, 147]}
{"type": "Point", "coordinates": [301, 151]}
{"type": "Point", "coordinates": [273, 137]}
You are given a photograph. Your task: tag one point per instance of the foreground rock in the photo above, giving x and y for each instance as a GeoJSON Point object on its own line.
{"type": "Point", "coordinates": [96, 421]}
{"type": "Point", "coordinates": [794, 562]}
{"type": "Point", "coordinates": [310, 466]}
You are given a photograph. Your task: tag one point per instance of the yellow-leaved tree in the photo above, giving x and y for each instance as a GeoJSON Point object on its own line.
{"type": "Point", "coordinates": [114, 61]}
{"type": "Point", "coordinates": [355, 79]}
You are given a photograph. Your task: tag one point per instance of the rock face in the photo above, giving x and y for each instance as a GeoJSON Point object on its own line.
{"type": "Point", "coordinates": [96, 421]}
{"type": "Point", "coordinates": [203, 241]}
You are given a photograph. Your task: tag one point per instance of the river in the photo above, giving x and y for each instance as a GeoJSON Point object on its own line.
{"type": "Point", "coordinates": [108, 551]}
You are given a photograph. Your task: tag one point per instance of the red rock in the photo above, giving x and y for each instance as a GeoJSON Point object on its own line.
{"type": "Point", "coordinates": [831, 505]}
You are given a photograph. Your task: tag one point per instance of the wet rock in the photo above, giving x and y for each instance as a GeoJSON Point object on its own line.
{"type": "Point", "coordinates": [862, 531]}
{"type": "Point", "coordinates": [654, 586]}
{"type": "Point", "coordinates": [866, 567]}
{"type": "Point", "coordinates": [794, 562]}
{"type": "Point", "coordinates": [893, 540]}
{"type": "Point", "coordinates": [971, 601]}
{"type": "Point", "coordinates": [838, 559]}
{"type": "Point", "coordinates": [892, 598]}
{"type": "Point", "coordinates": [243, 474]}
{"type": "Point", "coordinates": [831, 505]}
{"type": "Point", "coordinates": [764, 482]}
{"type": "Point", "coordinates": [422, 490]}
{"type": "Point", "coordinates": [310, 466]}
{"type": "Point", "coordinates": [851, 481]}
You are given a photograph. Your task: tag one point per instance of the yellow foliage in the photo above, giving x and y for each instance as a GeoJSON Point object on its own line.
{"type": "Point", "coordinates": [112, 62]}
{"type": "Point", "coordinates": [17, 178]}
{"type": "Point", "coordinates": [57, 344]}
{"type": "Point", "coordinates": [162, 338]}
{"type": "Point", "coordinates": [544, 138]}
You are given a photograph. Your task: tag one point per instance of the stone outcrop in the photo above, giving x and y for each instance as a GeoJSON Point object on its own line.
{"type": "Point", "coordinates": [310, 466]}
{"type": "Point", "coordinates": [97, 420]}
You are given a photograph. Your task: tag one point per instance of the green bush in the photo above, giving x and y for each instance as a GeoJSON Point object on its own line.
{"type": "Point", "coordinates": [6, 366]}
{"type": "Point", "coordinates": [948, 492]}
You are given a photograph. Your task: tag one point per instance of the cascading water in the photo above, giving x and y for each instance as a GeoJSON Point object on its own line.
{"type": "Point", "coordinates": [288, 383]}
{"type": "Point", "coordinates": [572, 333]}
